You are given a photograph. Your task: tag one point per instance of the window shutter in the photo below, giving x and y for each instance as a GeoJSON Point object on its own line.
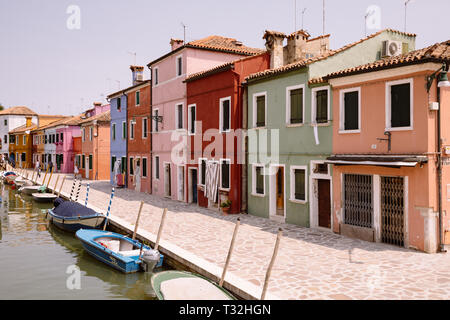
{"type": "Point", "coordinates": [322, 106]}
{"type": "Point", "coordinates": [299, 184]}
{"type": "Point", "coordinates": [297, 106]}
{"type": "Point", "coordinates": [400, 105]}
{"type": "Point", "coordinates": [260, 111]}
{"type": "Point", "coordinates": [226, 115]}
{"type": "Point", "coordinates": [351, 116]}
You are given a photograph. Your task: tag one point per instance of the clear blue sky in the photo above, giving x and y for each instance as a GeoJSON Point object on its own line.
{"type": "Point", "coordinates": [52, 69]}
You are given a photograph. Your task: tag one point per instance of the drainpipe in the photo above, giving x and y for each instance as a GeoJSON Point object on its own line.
{"type": "Point", "coordinates": [439, 170]}
{"type": "Point", "coordinates": [244, 207]}
{"type": "Point", "coordinates": [150, 126]}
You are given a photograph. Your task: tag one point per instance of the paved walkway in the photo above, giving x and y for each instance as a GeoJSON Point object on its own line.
{"type": "Point", "coordinates": [311, 264]}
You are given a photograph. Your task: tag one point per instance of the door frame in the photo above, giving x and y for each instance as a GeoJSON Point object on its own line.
{"type": "Point", "coordinates": [190, 188]}
{"type": "Point", "coordinates": [314, 195]}
{"type": "Point", "coordinates": [272, 193]}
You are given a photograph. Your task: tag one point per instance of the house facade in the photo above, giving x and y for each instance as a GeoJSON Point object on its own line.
{"type": "Point", "coordinates": [214, 108]}
{"type": "Point", "coordinates": [95, 144]}
{"type": "Point", "coordinates": [118, 137]}
{"type": "Point", "coordinates": [66, 130]}
{"type": "Point", "coordinates": [139, 140]}
{"type": "Point", "coordinates": [21, 145]}
{"type": "Point", "coordinates": [169, 105]}
{"type": "Point", "coordinates": [290, 124]}
{"type": "Point", "coordinates": [391, 150]}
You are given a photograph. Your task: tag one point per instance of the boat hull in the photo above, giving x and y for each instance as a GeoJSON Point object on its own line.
{"type": "Point", "coordinates": [43, 197]}
{"type": "Point", "coordinates": [29, 190]}
{"type": "Point", "coordinates": [124, 264]}
{"type": "Point", "coordinates": [73, 224]}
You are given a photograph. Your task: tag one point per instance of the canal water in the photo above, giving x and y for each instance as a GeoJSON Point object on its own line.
{"type": "Point", "coordinates": [39, 261]}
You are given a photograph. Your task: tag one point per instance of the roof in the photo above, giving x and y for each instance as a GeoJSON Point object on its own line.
{"type": "Point", "coordinates": [18, 110]}
{"type": "Point", "coordinates": [23, 128]}
{"type": "Point", "coordinates": [215, 43]}
{"type": "Point", "coordinates": [101, 117]}
{"type": "Point", "coordinates": [121, 92]}
{"type": "Point", "coordinates": [51, 124]}
{"type": "Point", "coordinates": [439, 52]}
{"type": "Point", "coordinates": [304, 62]}
{"type": "Point", "coordinates": [220, 68]}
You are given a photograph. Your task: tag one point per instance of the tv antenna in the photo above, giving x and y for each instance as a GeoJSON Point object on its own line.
{"type": "Point", "coordinates": [303, 14]}
{"type": "Point", "coordinates": [406, 4]}
{"type": "Point", "coordinates": [184, 32]}
{"type": "Point", "coordinates": [134, 54]}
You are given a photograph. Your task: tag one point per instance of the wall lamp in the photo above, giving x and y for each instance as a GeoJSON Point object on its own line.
{"type": "Point", "coordinates": [157, 118]}
{"type": "Point", "coordinates": [443, 79]}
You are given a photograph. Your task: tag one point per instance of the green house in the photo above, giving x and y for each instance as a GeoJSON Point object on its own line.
{"type": "Point", "coordinates": [290, 126]}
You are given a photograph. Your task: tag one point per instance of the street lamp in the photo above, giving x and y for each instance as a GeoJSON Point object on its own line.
{"type": "Point", "coordinates": [443, 79]}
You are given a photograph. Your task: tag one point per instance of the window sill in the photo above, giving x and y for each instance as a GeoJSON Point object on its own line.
{"type": "Point", "coordinates": [258, 195]}
{"type": "Point", "coordinates": [298, 201]}
{"type": "Point", "coordinates": [294, 125]}
{"type": "Point", "coordinates": [313, 124]}
{"type": "Point", "coordinates": [258, 128]}
{"type": "Point", "coordinates": [349, 131]}
{"type": "Point", "coordinates": [399, 129]}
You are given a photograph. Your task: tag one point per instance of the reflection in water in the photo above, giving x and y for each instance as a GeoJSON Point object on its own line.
{"type": "Point", "coordinates": [39, 254]}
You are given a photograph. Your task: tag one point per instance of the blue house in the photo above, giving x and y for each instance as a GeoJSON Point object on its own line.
{"type": "Point", "coordinates": [118, 138]}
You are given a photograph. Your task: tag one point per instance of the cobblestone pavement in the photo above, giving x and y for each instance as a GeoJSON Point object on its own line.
{"type": "Point", "coordinates": [311, 264]}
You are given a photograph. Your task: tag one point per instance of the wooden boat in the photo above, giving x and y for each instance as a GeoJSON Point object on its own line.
{"type": "Point", "coordinates": [19, 182]}
{"type": "Point", "coordinates": [29, 190]}
{"type": "Point", "coordinates": [44, 197]}
{"type": "Point", "coordinates": [182, 285]}
{"type": "Point", "coordinates": [9, 179]}
{"type": "Point", "coordinates": [119, 251]}
{"type": "Point", "coordinates": [72, 216]}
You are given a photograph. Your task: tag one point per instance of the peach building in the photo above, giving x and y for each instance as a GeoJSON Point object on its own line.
{"type": "Point", "coordinates": [391, 150]}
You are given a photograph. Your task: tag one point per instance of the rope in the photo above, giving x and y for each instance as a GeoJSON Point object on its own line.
{"type": "Point", "coordinates": [73, 188]}
{"type": "Point", "coordinates": [87, 195]}
{"type": "Point", "coordinates": [78, 191]}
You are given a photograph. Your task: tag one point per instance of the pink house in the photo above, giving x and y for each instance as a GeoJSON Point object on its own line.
{"type": "Point", "coordinates": [65, 153]}
{"type": "Point", "coordinates": [391, 150]}
{"type": "Point", "coordinates": [169, 105]}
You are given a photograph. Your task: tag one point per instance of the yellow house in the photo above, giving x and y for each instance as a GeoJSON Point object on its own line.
{"type": "Point", "coordinates": [20, 144]}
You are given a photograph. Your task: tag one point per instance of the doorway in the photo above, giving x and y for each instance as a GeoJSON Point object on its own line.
{"type": "Point", "coordinates": [86, 165]}
{"type": "Point", "coordinates": [193, 175]}
{"type": "Point", "coordinates": [324, 203]}
{"type": "Point", "coordinates": [277, 187]}
{"type": "Point", "coordinates": [392, 211]}
{"type": "Point", "coordinates": [181, 183]}
{"type": "Point", "coordinates": [167, 180]}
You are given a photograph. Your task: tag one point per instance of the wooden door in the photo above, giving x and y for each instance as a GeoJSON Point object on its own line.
{"type": "Point", "coordinates": [280, 191]}
{"type": "Point", "coordinates": [324, 201]}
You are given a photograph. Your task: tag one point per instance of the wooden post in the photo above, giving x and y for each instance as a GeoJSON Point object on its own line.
{"type": "Point", "coordinates": [60, 188]}
{"type": "Point", "coordinates": [32, 177]}
{"type": "Point", "coordinates": [137, 220]}
{"type": "Point", "coordinates": [56, 184]}
{"type": "Point", "coordinates": [45, 175]}
{"type": "Point", "coordinates": [160, 228]}
{"type": "Point", "coordinates": [269, 269]}
{"type": "Point", "coordinates": [229, 252]}
{"type": "Point", "coordinates": [49, 178]}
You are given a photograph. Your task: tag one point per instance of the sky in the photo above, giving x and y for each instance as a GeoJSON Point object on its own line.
{"type": "Point", "coordinates": [59, 61]}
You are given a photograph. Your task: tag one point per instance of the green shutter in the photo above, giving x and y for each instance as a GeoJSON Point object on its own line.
{"type": "Point", "coordinates": [297, 106]}
{"type": "Point", "coordinates": [261, 111]}
{"type": "Point", "coordinates": [322, 106]}
{"type": "Point", "coordinates": [299, 184]}
{"type": "Point", "coordinates": [351, 116]}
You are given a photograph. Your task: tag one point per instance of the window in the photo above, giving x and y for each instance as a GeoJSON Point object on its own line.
{"type": "Point", "coordinates": [5, 138]}
{"type": "Point", "coordinates": [225, 114]}
{"type": "Point", "coordinates": [61, 137]}
{"type": "Point", "coordinates": [295, 101]}
{"type": "Point", "coordinates": [83, 136]}
{"type": "Point", "coordinates": [138, 98]}
{"type": "Point", "coordinates": [179, 116]}
{"type": "Point", "coordinates": [131, 166]}
{"type": "Point", "coordinates": [5, 122]}
{"type": "Point", "coordinates": [144, 128]}
{"type": "Point", "coordinates": [298, 183]}
{"type": "Point", "coordinates": [132, 124]}
{"type": "Point", "coordinates": [349, 118]}
{"type": "Point", "coordinates": [320, 105]}
{"type": "Point", "coordinates": [124, 130]}
{"type": "Point", "coordinates": [17, 141]}
{"type": "Point", "coordinates": [259, 110]}
{"type": "Point", "coordinates": [83, 166]}
{"type": "Point", "coordinates": [113, 131]}
{"type": "Point", "coordinates": [191, 119]}
{"type": "Point", "coordinates": [399, 104]}
{"type": "Point", "coordinates": [119, 101]}
{"type": "Point", "coordinates": [57, 137]}
{"type": "Point", "coordinates": [156, 76]}
{"type": "Point", "coordinates": [144, 167]}
{"type": "Point", "coordinates": [123, 165]}
{"type": "Point", "coordinates": [157, 167]}
{"type": "Point", "coordinates": [23, 157]}
{"type": "Point", "coordinates": [202, 172]}
{"type": "Point", "coordinates": [90, 162]}
{"type": "Point", "coordinates": [179, 66]}
{"type": "Point", "coordinates": [258, 181]}
{"type": "Point", "coordinates": [225, 173]}
{"type": "Point", "coordinates": [113, 162]}
{"type": "Point", "coordinates": [155, 122]}
{"type": "Point", "coordinates": [90, 133]}
{"type": "Point", "coordinates": [24, 140]}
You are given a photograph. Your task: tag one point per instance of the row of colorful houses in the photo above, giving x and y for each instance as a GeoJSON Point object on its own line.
{"type": "Point", "coordinates": [352, 141]}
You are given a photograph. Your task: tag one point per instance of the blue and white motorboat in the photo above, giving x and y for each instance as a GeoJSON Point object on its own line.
{"type": "Point", "coordinates": [119, 251]}
{"type": "Point", "coordinates": [72, 216]}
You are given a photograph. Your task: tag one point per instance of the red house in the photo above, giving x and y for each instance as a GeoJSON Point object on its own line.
{"type": "Point", "coordinates": [215, 120]}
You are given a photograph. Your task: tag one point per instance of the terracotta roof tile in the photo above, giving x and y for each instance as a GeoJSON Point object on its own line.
{"type": "Point", "coordinates": [439, 52]}
{"type": "Point", "coordinates": [19, 110]}
{"type": "Point", "coordinates": [104, 117]}
{"type": "Point", "coordinates": [302, 63]}
{"type": "Point", "coordinates": [23, 128]}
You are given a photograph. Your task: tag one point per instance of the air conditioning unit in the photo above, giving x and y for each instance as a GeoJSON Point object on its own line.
{"type": "Point", "coordinates": [391, 48]}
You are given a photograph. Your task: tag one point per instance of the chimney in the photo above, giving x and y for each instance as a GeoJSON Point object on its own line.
{"type": "Point", "coordinates": [274, 44]}
{"type": "Point", "coordinates": [137, 73]}
{"type": "Point", "coordinates": [28, 121]}
{"type": "Point", "coordinates": [296, 46]}
{"type": "Point", "coordinates": [176, 43]}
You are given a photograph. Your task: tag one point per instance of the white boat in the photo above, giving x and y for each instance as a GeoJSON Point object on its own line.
{"type": "Point", "coordinates": [29, 190]}
{"type": "Point", "coordinates": [44, 197]}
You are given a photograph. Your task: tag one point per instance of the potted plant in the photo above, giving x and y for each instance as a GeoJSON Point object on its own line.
{"type": "Point", "coordinates": [226, 205]}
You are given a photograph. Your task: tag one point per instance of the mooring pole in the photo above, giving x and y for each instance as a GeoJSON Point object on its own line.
{"type": "Point", "coordinates": [269, 269]}
{"type": "Point", "coordinates": [56, 184]}
{"type": "Point", "coordinates": [60, 187]}
{"type": "Point", "coordinates": [137, 220]}
{"type": "Point", "coordinates": [160, 228]}
{"type": "Point", "coordinates": [109, 208]}
{"type": "Point", "coordinates": [87, 195]}
{"type": "Point", "coordinates": [229, 252]}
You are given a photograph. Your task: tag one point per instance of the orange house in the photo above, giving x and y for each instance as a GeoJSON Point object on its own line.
{"type": "Point", "coordinates": [391, 150]}
{"type": "Point", "coordinates": [20, 144]}
{"type": "Point", "coordinates": [95, 140]}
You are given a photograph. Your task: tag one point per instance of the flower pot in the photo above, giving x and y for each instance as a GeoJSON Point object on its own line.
{"type": "Point", "coordinates": [225, 209]}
